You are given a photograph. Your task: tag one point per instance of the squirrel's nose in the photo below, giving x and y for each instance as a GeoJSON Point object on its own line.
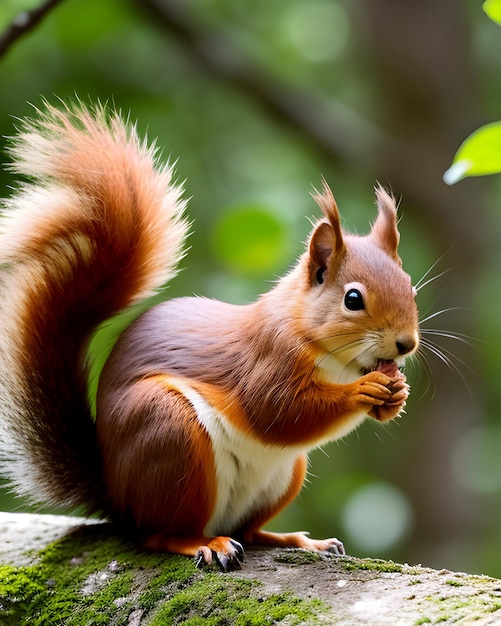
{"type": "Point", "coordinates": [406, 344]}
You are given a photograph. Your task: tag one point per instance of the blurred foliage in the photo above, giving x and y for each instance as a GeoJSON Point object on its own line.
{"type": "Point", "coordinates": [249, 172]}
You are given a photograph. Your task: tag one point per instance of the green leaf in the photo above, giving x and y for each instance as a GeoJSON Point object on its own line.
{"type": "Point", "coordinates": [478, 155]}
{"type": "Point", "coordinates": [493, 10]}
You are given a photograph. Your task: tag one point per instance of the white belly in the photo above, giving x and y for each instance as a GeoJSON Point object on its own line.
{"type": "Point", "coordinates": [250, 475]}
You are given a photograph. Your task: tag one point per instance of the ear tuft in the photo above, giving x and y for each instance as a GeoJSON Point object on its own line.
{"type": "Point", "coordinates": [326, 201]}
{"type": "Point", "coordinates": [326, 242]}
{"type": "Point", "coordinates": [385, 229]}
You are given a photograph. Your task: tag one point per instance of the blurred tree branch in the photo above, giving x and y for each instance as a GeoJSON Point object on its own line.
{"type": "Point", "coordinates": [333, 129]}
{"type": "Point", "coordinates": [23, 23]}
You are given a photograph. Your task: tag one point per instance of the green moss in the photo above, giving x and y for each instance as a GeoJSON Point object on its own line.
{"type": "Point", "coordinates": [465, 606]}
{"type": "Point", "coordinates": [79, 579]}
{"type": "Point", "coordinates": [296, 557]}
{"type": "Point", "coordinates": [94, 577]}
{"type": "Point", "coordinates": [18, 588]}
{"type": "Point", "coordinates": [219, 600]}
{"type": "Point", "coordinates": [351, 564]}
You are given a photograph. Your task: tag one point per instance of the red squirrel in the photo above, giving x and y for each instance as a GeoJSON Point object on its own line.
{"type": "Point", "coordinates": [205, 410]}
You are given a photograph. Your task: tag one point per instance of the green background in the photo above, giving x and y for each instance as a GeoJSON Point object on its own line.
{"type": "Point", "coordinates": [257, 101]}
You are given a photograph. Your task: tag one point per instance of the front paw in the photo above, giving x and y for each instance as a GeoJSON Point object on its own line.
{"type": "Point", "coordinates": [394, 406]}
{"type": "Point", "coordinates": [372, 389]}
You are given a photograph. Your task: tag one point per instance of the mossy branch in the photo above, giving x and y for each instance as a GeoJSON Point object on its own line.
{"type": "Point", "coordinates": [90, 576]}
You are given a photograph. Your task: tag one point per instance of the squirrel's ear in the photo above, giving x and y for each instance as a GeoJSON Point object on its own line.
{"type": "Point", "coordinates": [385, 230]}
{"type": "Point", "coordinates": [326, 241]}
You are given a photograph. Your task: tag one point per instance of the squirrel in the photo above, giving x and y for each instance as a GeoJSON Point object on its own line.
{"type": "Point", "coordinates": [205, 410]}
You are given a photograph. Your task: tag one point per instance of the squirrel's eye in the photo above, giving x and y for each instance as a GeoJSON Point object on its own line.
{"type": "Point", "coordinates": [353, 300]}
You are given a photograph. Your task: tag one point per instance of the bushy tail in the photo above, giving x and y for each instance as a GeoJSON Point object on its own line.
{"type": "Point", "coordinates": [98, 227]}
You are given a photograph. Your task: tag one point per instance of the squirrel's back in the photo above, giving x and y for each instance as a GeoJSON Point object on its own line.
{"type": "Point", "coordinates": [97, 227]}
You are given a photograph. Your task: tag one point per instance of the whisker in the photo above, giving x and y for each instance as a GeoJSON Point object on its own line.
{"type": "Point", "coordinates": [370, 344]}
{"type": "Point", "coordinates": [378, 436]}
{"type": "Point", "coordinates": [420, 283]}
{"type": "Point", "coordinates": [449, 358]}
{"type": "Point", "coordinates": [451, 332]}
{"type": "Point", "coordinates": [307, 342]}
{"type": "Point", "coordinates": [450, 355]}
{"type": "Point", "coordinates": [448, 335]}
{"type": "Point", "coordinates": [467, 339]}
{"type": "Point", "coordinates": [441, 312]}
{"type": "Point", "coordinates": [421, 360]}
{"type": "Point", "coordinates": [439, 354]}
{"type": "Point", "coordinates": [341, 349]}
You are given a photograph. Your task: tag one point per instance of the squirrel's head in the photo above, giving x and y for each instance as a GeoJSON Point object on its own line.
{"type": "Point", "coordinates": [360, 305]}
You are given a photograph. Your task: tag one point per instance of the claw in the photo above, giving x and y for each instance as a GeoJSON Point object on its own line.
{"type": "Point", "coordinates": [239, 550]}
{"type": "Point", "coordinates": [337, 547]}
{"type": "Point", "coordinates": [226, 552]}
{"type": "Point", "coordinates": [231, 557]}
{"type": "Point", "coordinates": [203, 556]}
{"type": "Point", "coordinates": [330, 546]}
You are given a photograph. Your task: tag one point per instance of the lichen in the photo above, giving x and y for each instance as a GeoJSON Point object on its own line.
{"type": "Point", "coordinates": [80, 580]}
